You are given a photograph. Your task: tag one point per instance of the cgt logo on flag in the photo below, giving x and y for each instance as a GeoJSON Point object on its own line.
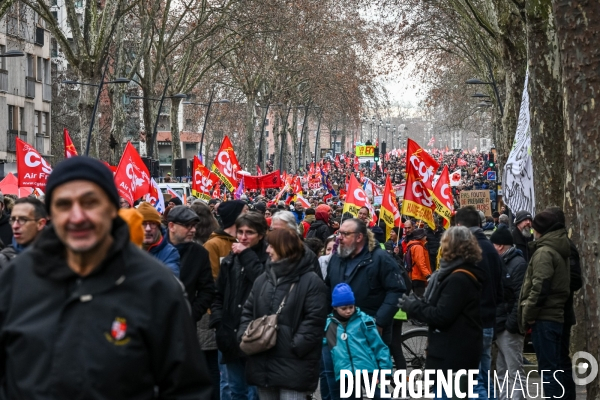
{"type": "Point", "coordinates": [118, 332]}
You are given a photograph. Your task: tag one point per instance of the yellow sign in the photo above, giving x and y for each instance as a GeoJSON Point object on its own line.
{"type": "Point", "coordinates": [480, 199]}
{"type": "Point", "coordinates": [365, 151]}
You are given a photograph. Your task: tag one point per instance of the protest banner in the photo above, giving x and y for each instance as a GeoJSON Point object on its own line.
{"type": "Point", "coordinates": [480, 199]}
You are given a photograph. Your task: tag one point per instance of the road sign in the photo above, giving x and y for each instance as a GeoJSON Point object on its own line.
{"type": "Point", "coordinates": [491, 175]}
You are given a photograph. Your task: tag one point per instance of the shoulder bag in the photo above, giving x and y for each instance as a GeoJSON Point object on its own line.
{"type": "Point", "coordinates": [261, 333]}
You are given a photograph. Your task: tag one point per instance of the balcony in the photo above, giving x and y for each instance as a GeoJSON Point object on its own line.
{"type": "Point", "coordinates": [30, 87]}
{"type": "Point", "coordinates": [46, 92]}
{"type": "Point", "coordinates": [3, 80]}
{"type": "Point", "coordinates": [39, 36]}
{"type": "Point", "coordinates": [11, 139]}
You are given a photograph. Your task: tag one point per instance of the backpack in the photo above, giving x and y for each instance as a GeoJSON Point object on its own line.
{"type": "Point", "coordinates": [408, 264]}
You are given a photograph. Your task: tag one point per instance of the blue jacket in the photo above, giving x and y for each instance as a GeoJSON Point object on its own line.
{"type": "Point", "coordinates": [167, 253]}
{"type": "Point", "coordinates": [356, 344]}
{"type": "Point", "coordinates": [376, 282]}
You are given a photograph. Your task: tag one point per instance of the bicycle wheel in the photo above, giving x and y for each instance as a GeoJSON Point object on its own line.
{"type": "Point", "coordinates": [414, 345]}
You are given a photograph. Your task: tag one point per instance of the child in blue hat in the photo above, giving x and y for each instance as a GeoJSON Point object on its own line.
{"type": "Point", "coordinates": [352, 337]}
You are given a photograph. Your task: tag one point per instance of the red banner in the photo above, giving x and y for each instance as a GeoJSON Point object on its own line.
{"type": "Point", "coordinates": [420, 168]}
{"type": "Point", "coordinates": [70, 150]}
{"type": "Point", "coordinates": [267, 181]}
{"type": "Point", "coordinates": [202, 180]}
{"type": "Point", "coordinates": [32, 168]}
{"type": "Point", "coordinates": [132, 177]}
{"type": "Point", "coordinates": [226, 165]}
{"type": "Point", "coordinates": [442, 196]}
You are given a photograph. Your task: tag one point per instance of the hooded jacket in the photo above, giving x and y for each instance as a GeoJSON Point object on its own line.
{"type": "Point", "coordinates": [421, 266]}
{"type": "Point", "coordinates": [546, 287]}
{"type": "Point", "coordinates": [236, 277]}
{"type": "Point", "coordinates": [218, 246]}
{"type": "Point", "coordinates": [320, 230]}
{"type": "Point", "coordinates": [376, 281]}
{"type": "Point", "coordinates": [513, 274]}
{"type": "Point", "coordinates": [167, 253]}
{"type": "Point", "coordinates": [356, 344]}
{"type": "Point", "coordinates": [452, 311]}
{"type": "Point", "coordinates": [121, 332]}
{"type": "Point", "coordinates": [294, 362]}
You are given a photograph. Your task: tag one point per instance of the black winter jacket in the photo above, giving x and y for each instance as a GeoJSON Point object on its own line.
{"type": "Point", "coordinates": [513, 274]}
{"type": "Point", "coordinates": [293, 363]}
{"type": "Point", "coordinates": [376, 282]}
{"type": "Point", "coordinates": [575, 284]}
{"type": "Point", "coordinates": [196, 275]}
{"type": "Point", "coordinates": [121, 332]}
{"type": "Point", "coordinates": [433, 244]}
{"type": "Point", "coordinates": [236, 277]}
{"type": "Point", "coordinates": [320, 230]}
{"type": "Point", "coordinates": [455, 337]}
{"type": "Point", "coordinates": [6, 233]}
{"type": "Point", "coordinates": [491, 265]}
{"type": "Point", "coordinates": [522, 243]}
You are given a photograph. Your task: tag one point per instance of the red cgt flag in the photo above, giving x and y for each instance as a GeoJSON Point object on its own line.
{"type": "Point", "coordinates": [33, 169]}
{"type": "Point", "coordinates": [70, 150]}
{"type": "Point", "coordinates": [203, 180]}
{"type": "Point", "coordinates": [226, 165]}
{"type": "Point", "coordinates": [132, 177]}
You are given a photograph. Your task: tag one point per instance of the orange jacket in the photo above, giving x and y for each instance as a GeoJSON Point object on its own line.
{"type": "Point", "coordinates": [421, 268]}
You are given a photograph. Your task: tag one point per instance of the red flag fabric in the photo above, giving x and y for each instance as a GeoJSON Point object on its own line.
{"type": "Point", "coordinates": [268, 181]}
{"type": "Point", "coordinates": [226, 165]}
{"type": "Point", "coordinates": [203, 180]}
{"type": "Point", "coordinates": [356, 164]}
{"type": "Point", "coordinates": [356, 197]}
{"type": "Point", "coordinates": [337, 161]}
{"type": "Point", "coordinates": [442, 196]}
{"type": "Point", "coordinates": [420, 168]}
{"type": "Point", "coordinates": [258, 170]}
{"type": "Point", "coordinates": [217, 192]}
{"type": "Point", "coordinates": [389, 212]}
{"type": "Point", "coordinates": [70, 150]}
{"type": "Point", "coordinates": [32, 168]}
{"type": "Point", "coordinates": [461, 163]}
{"type": "Point", "coordinates": [132, 177]}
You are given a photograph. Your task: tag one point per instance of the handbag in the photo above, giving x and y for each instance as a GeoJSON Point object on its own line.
{"type": "Point", "coordinates": [261, 333]}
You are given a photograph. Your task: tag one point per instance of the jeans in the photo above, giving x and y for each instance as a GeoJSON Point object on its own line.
{"type": "Point", "coordinates": [510, 359]}
{"type": "Point", "coordinates": [546, 338]}
{"type": "Point", "coordinates": [240, 390]}
{"type": "Point", "coordinates": [224, 386]}
{"type": "Point", "coordinates": [396, 345]}
{"type": "Point", "coordinates": [330, 388]}
{"type": "Point", "coordinates": [212, 360]}
{"type": "Point", "coordinates": [484, 365]}
{"type": "Point", "coordinates": [566, 363]}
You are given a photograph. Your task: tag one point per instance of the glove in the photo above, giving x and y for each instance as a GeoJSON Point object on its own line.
{"type": "Point", "coordinates": [407, 303]}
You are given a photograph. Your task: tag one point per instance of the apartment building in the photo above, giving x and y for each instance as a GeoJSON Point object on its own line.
{"type": "Point", "coordinates": [25, 83]}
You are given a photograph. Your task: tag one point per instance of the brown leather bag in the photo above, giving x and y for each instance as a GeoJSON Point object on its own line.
{"type": "Point", "coordinates": [261, 333]}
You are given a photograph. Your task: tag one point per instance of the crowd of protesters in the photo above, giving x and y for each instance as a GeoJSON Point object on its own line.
{"type": "Point", "coordinates": [103, 301]}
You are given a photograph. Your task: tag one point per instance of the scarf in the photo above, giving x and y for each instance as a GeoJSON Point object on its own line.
{"type": "Point", "coordinates": [18, 248]}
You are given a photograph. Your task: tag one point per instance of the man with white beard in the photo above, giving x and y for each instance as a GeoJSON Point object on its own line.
{"type": "Point", "coordinates": [371, 272]}
{"type": "Point", "coordinates": [521, 233]}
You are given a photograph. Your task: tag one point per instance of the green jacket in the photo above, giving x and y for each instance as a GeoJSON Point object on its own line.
{"type": "Point", "coordinates": [546, 285]}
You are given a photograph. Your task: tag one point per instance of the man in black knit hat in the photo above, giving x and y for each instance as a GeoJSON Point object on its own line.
{"type": "Point", "coordinates": [543, 296]}
{"type": "Point", "coordinates": [96, 316]}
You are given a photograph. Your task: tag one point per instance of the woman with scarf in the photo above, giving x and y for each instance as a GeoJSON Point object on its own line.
{"type": "Point", "coordinates": [289, 370]}
{"type": "Point", "coordinates": [239, 270]}
{"type": "Point", "coordinates": [451, 306]}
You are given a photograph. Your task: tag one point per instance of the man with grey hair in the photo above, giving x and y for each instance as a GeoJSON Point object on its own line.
{"type": "Point", "coordinates": [284, 220]}
{"type": "Point", "coordinates": [502, 221]}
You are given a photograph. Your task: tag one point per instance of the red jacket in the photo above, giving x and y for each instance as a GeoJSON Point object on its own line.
{"type": "Point", "coordinates": [421, 269]}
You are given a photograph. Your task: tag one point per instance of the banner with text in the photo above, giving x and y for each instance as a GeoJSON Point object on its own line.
{"type": "Point", "coordinates": [480, 199]}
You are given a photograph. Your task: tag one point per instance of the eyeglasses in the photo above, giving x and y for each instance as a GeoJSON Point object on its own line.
{"type": "Point", "coordinates": [345, 234]}
{"type": "Point", "coordinates": [186, 226]}
{"type": "Point", "coordinates": [20, 220]}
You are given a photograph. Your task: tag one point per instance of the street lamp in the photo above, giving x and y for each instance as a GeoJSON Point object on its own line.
{"type": "Point", "coordinates": [210, 102]}
{"type": "Point", "coordinates": [99, 86]}
{"type": "Point", "coordinates": [492, 83]}
{"type": "Point", "coordinates": [161, 100]}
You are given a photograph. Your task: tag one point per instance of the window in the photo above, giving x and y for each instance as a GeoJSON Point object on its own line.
{"type": "Point", "coordinates": [55, 15]}
{"type": "Point", "coordinates": [30, 65]}
{"type": "Point", "coordinates": [11, 118]}
{"type": "Point", "coordinates": [2, 59]}
{"type": "Point", "coordinates": [53, 48]}
{"type": "Point", "coordinates": [36, 123]}
{"type": "Point", "coordinates": [190, 147]}
{"type": "Point", "coordinates": [45, 118]}
{"type": "Point", "coordinates": [266, 133]}
{"type": "Point", "coordinates": [21, 119]}
{"type": "Point", "coordinates": [54, 3]}
{"type": "Point", "coordinates": [40, 69]}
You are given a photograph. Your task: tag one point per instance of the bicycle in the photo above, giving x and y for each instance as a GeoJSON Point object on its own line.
{"type": "Point", "coordinates": [414, 346]}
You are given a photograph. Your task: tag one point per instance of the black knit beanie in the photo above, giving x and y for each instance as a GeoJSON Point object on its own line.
{"type": "Point", "coordinates": [229, 211]}
{"type": "Point", "coordinates": [502, 236]}
{"type": "Point", "coordinates": [543, 222]}
{"type": "Point", "coordinates": [82, 168]}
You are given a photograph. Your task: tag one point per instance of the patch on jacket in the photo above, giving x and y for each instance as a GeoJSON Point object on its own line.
{"type": "Point", "coordinates": [118, 332]}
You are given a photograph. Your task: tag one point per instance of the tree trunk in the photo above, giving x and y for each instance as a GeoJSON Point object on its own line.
{"type": "Point", "coordinates": [249, 156]}
{"type": "Point", "coordinates": [294, 134]}
{"type": "Point", "coordinates": [577, 27]}
{"type": "Point", "coordinates": [545, 105]}
{"type": "Point", "coordinates": [117, 93]}
{"type": "Point", "coordinates": [87, 97]}
{"type": "Point", "coordinates": [276, 137]}
{"type": "Point", "coordinates": [175, 141]}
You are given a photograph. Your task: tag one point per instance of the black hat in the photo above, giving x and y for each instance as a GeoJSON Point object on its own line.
{"type": "Point", "coordinates": [495, 214]}
{"type": "Point", "coordinates": [522, 216]}
{"type": "Point", "coordinates": [182, 215]}
{"type": "Point", "coordinates": [418, 234]}
{"type": "Point", "coordinates": [543, 222]}
{"type": "Point", "coordinates": [502, 236]}
{"type": "Point", "coordinates": [229, 211]}
{"type": "Point", "coordinates": [176, 200]}
{"type": "Point", "coordinates": [86, 169]}
{"type": "Point", "coordinates": [260, 207]}
{"type": "Point", "coordinates": [213, 201]}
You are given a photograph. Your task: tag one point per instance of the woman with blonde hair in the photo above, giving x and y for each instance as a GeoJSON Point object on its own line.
{"type": "Point", "coordinates": [451, 305]}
